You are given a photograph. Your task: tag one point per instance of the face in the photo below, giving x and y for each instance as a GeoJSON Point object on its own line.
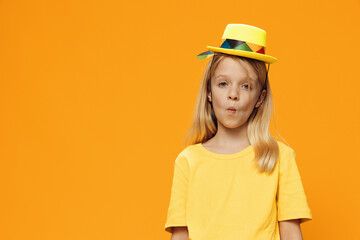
{"type": "Point", "coordinates": [230, 89]}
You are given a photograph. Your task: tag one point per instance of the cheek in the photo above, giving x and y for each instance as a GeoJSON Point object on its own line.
{"type": "Point", "coordinates": [219, 100]}
{"type": "Point", "coordinates": [245, 100]}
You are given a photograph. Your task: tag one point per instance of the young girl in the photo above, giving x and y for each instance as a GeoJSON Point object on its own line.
{"type": "Point", "coordinates": [234, 180]}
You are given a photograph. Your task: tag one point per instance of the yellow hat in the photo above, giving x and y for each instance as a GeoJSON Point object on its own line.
{"type": "Point", "coordinates": [242, 40]}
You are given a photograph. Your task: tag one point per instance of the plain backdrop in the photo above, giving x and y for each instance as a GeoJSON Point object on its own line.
{"type": "Point", "coordinates": [96, 98]}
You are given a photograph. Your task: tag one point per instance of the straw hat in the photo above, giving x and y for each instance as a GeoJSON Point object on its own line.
{"type": "Point", "coordinates": [242, 40]}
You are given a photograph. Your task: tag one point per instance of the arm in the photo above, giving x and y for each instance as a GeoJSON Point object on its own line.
{"type": "Point", "coordinates": [176, 216]}
{"type": "Point", "coordinates": [290, 230]}
{"type": "Point", "coordinates": [180, 233]}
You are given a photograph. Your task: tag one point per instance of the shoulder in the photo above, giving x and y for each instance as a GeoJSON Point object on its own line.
{"type": "Point", "coordinates": [186, 154]}
{"type": "Point", "coordinates": [286, 152]}
{"type": "Point", "coordinates": [189, 150]}
{"type": "Point", "coordinates": [284, 148]}
{"type": "Point", "coordinates": [287, 157]}
{"type": "Point", "coordinates": [183, 156]}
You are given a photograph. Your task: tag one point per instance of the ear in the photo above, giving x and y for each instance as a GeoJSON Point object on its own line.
{"type": "Point", "coordinates": [262, 97]}
{"type": "Point", "coordinates": [209, 96]}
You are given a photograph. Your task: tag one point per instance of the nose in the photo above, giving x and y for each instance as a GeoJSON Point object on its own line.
{"type": "Point", "coordinates": [233, 94]}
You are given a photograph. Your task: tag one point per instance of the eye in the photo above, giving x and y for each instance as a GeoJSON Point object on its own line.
{"type": "Point", "coordinates": [221, 83]}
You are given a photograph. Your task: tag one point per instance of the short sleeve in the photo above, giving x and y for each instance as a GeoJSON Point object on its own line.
{"type": "Point", "coordinates": [291, 199]}
{"type": "Point", "coordinates": [176, 215]}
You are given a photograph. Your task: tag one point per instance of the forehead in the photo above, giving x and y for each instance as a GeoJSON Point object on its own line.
{"type": "Point", "coordinates": [232, 68]}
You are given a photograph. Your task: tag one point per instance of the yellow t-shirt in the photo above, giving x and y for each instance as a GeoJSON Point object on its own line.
{"type": "Point", "coordinates": [224, 197]}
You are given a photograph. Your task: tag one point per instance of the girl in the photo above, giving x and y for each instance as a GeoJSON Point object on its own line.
{"type": "Point", "coordinates": [234, 180]}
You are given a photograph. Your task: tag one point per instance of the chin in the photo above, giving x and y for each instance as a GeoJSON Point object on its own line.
{"type": "Point", "coordinates": [232, 125]}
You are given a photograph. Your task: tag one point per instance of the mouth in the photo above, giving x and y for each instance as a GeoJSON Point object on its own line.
{"type": "Point", "coordinates": [231, 110]}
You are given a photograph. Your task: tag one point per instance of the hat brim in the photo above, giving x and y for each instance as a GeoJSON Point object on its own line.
{"type": "Point", "coordinates": [258, 56]}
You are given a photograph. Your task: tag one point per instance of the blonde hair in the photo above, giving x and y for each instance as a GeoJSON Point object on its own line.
{"type": "Point", "coordinates": [204, 124]}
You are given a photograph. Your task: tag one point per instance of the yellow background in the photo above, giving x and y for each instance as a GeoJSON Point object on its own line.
{"type": "Point", "coordinates": [96, 97]}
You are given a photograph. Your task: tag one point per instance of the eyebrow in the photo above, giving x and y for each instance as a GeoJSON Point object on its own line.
{"type": "Point", "coordinates": [224, 75]}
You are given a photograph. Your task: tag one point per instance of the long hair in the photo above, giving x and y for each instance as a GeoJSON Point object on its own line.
{"type": "Point", "coordinates": [204, 124]}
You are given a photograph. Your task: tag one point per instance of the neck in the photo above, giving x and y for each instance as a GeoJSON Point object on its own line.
{"type": "Point", "coordinates": [232, 136]}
